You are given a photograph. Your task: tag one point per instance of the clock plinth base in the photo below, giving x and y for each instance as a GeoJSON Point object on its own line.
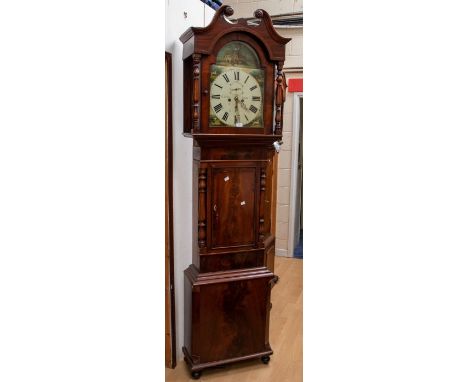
{"type": "Point", "coordinates": [198, 368]}
{"type": "Point", "coordinates": [227, 316]}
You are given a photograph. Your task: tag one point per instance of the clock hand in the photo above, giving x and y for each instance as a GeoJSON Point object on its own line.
{"type": "Point", "coordinates": [243, 105]}
{"type": "Point", "coordinates": [236, 110]}
{"type": "Point", "coordinates": [236, 99]}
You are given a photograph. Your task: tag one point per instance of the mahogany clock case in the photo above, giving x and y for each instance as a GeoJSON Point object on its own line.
{"type": "Point", "coordinates": [228, 286]}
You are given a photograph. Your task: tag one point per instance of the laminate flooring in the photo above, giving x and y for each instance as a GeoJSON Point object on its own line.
{"type": "Point", "coordinates": [285, 337]}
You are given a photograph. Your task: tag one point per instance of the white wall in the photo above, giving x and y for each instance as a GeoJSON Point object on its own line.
{"type": "Point", "coordinates": [246, 8]}
{"type": "Point", "coordinates": [198, 14]}
{"type": "Point", "coordinates": [286, 160]}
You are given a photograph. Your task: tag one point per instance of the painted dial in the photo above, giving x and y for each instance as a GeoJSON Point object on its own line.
{"type": "Point", "coordinates": [236, 97]}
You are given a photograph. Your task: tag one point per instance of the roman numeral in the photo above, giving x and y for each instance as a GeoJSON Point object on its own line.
{"type": "Point", "coordinates": [253, 109]}
{"type": "Point", "coordinates": [225, 116]}
{"type": "Point", "coordinates": [226, 77]}
{"type": "Point", "coordinates": [246, 79]}
{"type": "Point", "coordinates": [255, 98]}
{"type": "Point", "coordinates": [246, 118]}
{"type": "Point", "coordinates": [236, 76]}
{"type": "Point", "coordinates": [215, 96]}
{"type": "Point", "coordinates": [218, 107]}
{"type": "Point", "coordinates": [253, 87]}
{"type": "Point", "coordinates": [218, 86]}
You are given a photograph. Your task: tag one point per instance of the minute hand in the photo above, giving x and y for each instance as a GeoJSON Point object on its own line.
{"type": "Point", "coordinates": [236, 107]}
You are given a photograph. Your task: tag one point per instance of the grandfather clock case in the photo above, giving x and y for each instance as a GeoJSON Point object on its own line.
{"type": "Point", "coordinates": [234, 91]}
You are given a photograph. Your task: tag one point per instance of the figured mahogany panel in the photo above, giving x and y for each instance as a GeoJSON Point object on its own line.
{"type": "Point", "coordinates": [233, 153]}
{"type": "Point", "coordinates": [234, 319]}
{"type": "Point", "coordinates": [231, 260]}
{"type": "Point", "coordinates": [233, 206]}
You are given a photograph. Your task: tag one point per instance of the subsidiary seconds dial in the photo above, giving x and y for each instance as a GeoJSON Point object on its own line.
{"type": "Point", "coordinates": [235, 97]}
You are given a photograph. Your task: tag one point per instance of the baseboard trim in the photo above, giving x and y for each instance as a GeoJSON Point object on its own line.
{"type": "Point", "coordinates": [282, 252]}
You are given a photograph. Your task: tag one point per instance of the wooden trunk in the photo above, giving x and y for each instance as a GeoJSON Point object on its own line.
{"type": "Point", "coordinates": [227, 288]}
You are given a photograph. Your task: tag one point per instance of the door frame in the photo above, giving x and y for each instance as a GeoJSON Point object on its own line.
{"type": "Point", "coordinates": [294, 161]}
{"type": "Point", "coordinates": [170, 330]}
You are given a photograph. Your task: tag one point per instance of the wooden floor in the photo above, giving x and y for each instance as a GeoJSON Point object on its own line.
{"type": "Point", "coordinates": [285, 337]}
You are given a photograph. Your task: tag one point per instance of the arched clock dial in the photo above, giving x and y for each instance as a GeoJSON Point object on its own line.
{"type": "Point", "coordinates": [236, 97]}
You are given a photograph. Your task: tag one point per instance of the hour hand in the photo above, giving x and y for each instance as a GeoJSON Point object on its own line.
{"type": "Point", "coordinates": [243, 104]}
{"type": "Point", "coordinates": [236, 100]}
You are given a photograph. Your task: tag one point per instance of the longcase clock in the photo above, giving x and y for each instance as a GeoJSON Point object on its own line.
{"type": "Point", "coordinates": [234, 92]}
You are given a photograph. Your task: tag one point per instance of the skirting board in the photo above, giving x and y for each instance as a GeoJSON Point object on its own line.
{"type": "Point", "coordinates": [282, 252]}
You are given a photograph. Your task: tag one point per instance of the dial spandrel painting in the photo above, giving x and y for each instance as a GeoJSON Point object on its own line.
{"type": "Point", "coordinates": [236, 88]}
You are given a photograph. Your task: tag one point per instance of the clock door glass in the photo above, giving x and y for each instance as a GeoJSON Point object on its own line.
{"type": "Point", "coordinates": [236, 88]}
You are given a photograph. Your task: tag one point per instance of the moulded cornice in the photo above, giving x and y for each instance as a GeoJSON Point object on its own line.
{"type": "Point", "coordinates": [264, 32]}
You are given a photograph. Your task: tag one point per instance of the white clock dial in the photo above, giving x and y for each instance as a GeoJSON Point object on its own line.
{"type": "Point", "coordinates": [236, 97]}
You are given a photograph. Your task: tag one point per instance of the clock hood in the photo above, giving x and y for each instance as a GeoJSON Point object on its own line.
{"type": "Point", "coordinates": [259, 27]}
